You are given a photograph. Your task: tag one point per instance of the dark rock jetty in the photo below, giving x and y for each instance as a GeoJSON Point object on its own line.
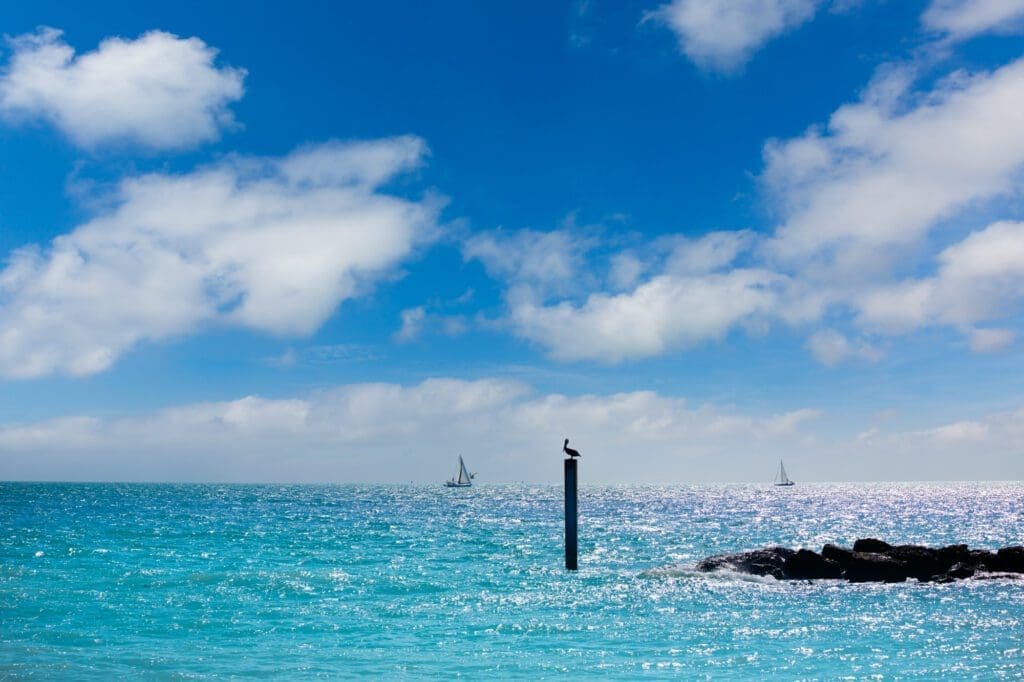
{"type": "Point", "coordinates": [872, 560]}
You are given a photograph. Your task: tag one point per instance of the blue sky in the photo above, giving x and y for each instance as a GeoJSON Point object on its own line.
{"type": "Point", "coordinates": [351, 242]}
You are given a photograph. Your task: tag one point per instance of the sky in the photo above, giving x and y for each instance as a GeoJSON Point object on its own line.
{"type": "Point", "coordinates": [348, 242]}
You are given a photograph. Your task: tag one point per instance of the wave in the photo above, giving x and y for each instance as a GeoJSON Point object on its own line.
{"type": "Point", "coordinates": [725, 575]}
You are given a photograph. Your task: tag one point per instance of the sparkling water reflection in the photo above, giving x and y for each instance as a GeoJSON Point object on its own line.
{"type": "Point", "coordinates": [105, 580]}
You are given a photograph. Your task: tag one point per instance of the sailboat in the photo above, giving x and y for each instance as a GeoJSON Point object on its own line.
{"type": "Point", "coordinates": [463, 480]}
{"type": "Point", "coordinates": [781, 478]}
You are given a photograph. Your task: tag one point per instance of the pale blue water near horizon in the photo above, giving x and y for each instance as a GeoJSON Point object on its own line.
{"type": "Point", "coordinates": [100, 581]}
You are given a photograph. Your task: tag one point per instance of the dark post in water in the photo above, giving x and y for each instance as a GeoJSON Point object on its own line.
{"type": "Point", "coordinates": [570, 514]}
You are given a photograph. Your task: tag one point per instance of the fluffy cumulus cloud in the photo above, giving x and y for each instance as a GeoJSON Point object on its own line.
{"type": "Point", "coordinates": [662, 314]}
{"type": "Point", "coordinates": [875, 180]}
{"type": "Point", "coordinates": [722, 36]}
{"type": "Point", "coordinates": [979, 279]}
{"type": "Point", "coordinates": [876, 232]}
{"type": "Point", "coordinates": [387, 432]}
{"type": "Point", "coordinates": [267, 244]}
{"type": "Point", "coordinates": [535, 262]}
{"type": "Point", "coordinates": [158, 91]}
{"type": "Point", "coordinates": [863, 201]}
{"type": "Point", "coordinates": [670, 294]}
{"type": "Point", "coordinates": [961, 19]}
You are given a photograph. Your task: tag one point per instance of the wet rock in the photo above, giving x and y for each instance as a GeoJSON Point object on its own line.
{"type": "Point", "coordinates": [875, 567]}
{"type": "Point", "coordinates": [873, 560]}
{"type": "Point", "coordinates": [840, 555]}
{"type": "Point", "coordinates": [954, 554]}
{"type": "Point", "coordinates": [808, 565]}
{"type": "Point", "coordinates": [1010, 559]}
{"type": "Point", "coordinates": [770, 561]}
{"type": "Point", "coordinates": [984, 559]}
{"type": "Point", "coordinates": [871, 545]}
{"type": "Point", "coordinates": [919, 562]}
{"type": "Point", "coordinates": [960, 571]}
{"type": "Point", "coordinates": [997, 575]}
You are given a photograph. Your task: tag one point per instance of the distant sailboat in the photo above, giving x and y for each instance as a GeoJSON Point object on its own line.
{"type": "Point", "coordinates": [781, 478]}
{"type": "Point", "coordinates": [463, 480]}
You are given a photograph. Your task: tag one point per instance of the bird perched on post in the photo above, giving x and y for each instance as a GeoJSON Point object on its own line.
{"type": "Point", "coordinates": [569, 451]}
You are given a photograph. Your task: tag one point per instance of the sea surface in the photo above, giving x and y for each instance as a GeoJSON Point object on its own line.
{"type": "Point", "coordinates": [101, 581]}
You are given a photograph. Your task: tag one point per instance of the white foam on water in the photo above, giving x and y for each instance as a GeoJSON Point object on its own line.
{"type": "Point", "coordinates": [724, 575]}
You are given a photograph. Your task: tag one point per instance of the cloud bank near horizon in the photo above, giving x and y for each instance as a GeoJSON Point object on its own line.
{"type": "Point", "coordinates": [378, 432]}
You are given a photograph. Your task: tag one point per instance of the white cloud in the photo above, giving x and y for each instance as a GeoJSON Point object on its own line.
{"type": "Point", "coordinates": [157, 91]}
{"type": "Point", "coordinates": [831, 348]}
{"type": "Point", "coordinates": [670, 294]}
{"type": "Point", "coordinates": [991, 340]}
{"type": "Point", "coordinates": [421, 320]}
{"type": "Point", "coordinates": [710, 252]}
{"type": "Point", "coordinates": [387, 432]}
{"type": "Point", "coordinates": [537, 263]}
{"type": "Point", "coordinates": [959, 431]}
{"type": "Point", "coordinates": [412, 323]}
{"type": "Point", "coordinates": [273, 245]}
{"type": "Point", "coordinates": [722, 36]}
{"type": "Point", "coordinates": [962, 19]}
{"type": "Point", "coordinates": [866, 197]}
{"type": "Point", "coordinates": [625, 270]}
{"type": "Point", "coordinates": [979, 279]}
{"type": "Point", "coordinates": [663, 314]}
{"type": "Point", "coordinates": [505, 430]}
{"type": "Point", "coordinates": [876, 180]}
{"type": "Point", "coordinates": [982, 449]}
{"type": "Point", "coordinates": [861, 203]}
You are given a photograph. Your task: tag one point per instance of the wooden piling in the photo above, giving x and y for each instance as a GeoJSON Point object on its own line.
{"type": "Point", "coordinates": [571, 514]}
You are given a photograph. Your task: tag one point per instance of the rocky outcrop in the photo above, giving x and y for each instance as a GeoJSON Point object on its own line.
{"type": "Point", "coordinates": [1010, 559]}
{"type": "Point", "coordinates": [770, 561]}
{"type": "Point", "coordinates": [810, 565]}
{"type": "Point", "coordinates": [871, 545]}
{"type": "Point", "coordinates": [872, 560]}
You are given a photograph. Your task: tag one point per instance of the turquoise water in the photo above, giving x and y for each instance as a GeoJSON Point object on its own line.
{"type": "Point", "coordinates": [193, 581]}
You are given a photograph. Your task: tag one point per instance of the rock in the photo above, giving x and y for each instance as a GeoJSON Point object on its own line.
{"type": "Point", "coordinates": [768, 561]}
{"type": "Point", "coordinates": [871, 545]}
{"type": "Point", "coordinates": [1010, 559]}
{"type": "Point", "coordinates": [997, 576]}
{"type": "Point", "coordinates": [954, 554]}
{"type": "Point", "coordinates": [875, 567]}
{"type": "Point", "coordinates": [960, 571]}
{"type": "Point", "coordinates": [808, 565]}
{"type": "Point", "coordinates": [840, 555]}
{"type": "Point", "coordinates": [873, 560]}
{"type": "Point", "coordinates": [919, 562]}
{"type": "Point", "coordinates": [984, 559]}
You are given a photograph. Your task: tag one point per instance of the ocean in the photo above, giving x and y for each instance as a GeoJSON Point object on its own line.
{"type": "Point", "coordinates": [99, 581]}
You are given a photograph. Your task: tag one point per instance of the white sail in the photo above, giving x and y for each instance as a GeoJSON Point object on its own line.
{"type": "Point", "coordinates": [782, 478]}
{"type": "Point", "coordinates": [464, 479]}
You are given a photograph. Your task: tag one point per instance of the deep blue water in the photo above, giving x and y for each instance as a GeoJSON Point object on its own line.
{"type": "Point", "coordinates": [192, 581]}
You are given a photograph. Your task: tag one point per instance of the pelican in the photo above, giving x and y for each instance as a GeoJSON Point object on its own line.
{"type": "Point", "coordinates": [569, 451]}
